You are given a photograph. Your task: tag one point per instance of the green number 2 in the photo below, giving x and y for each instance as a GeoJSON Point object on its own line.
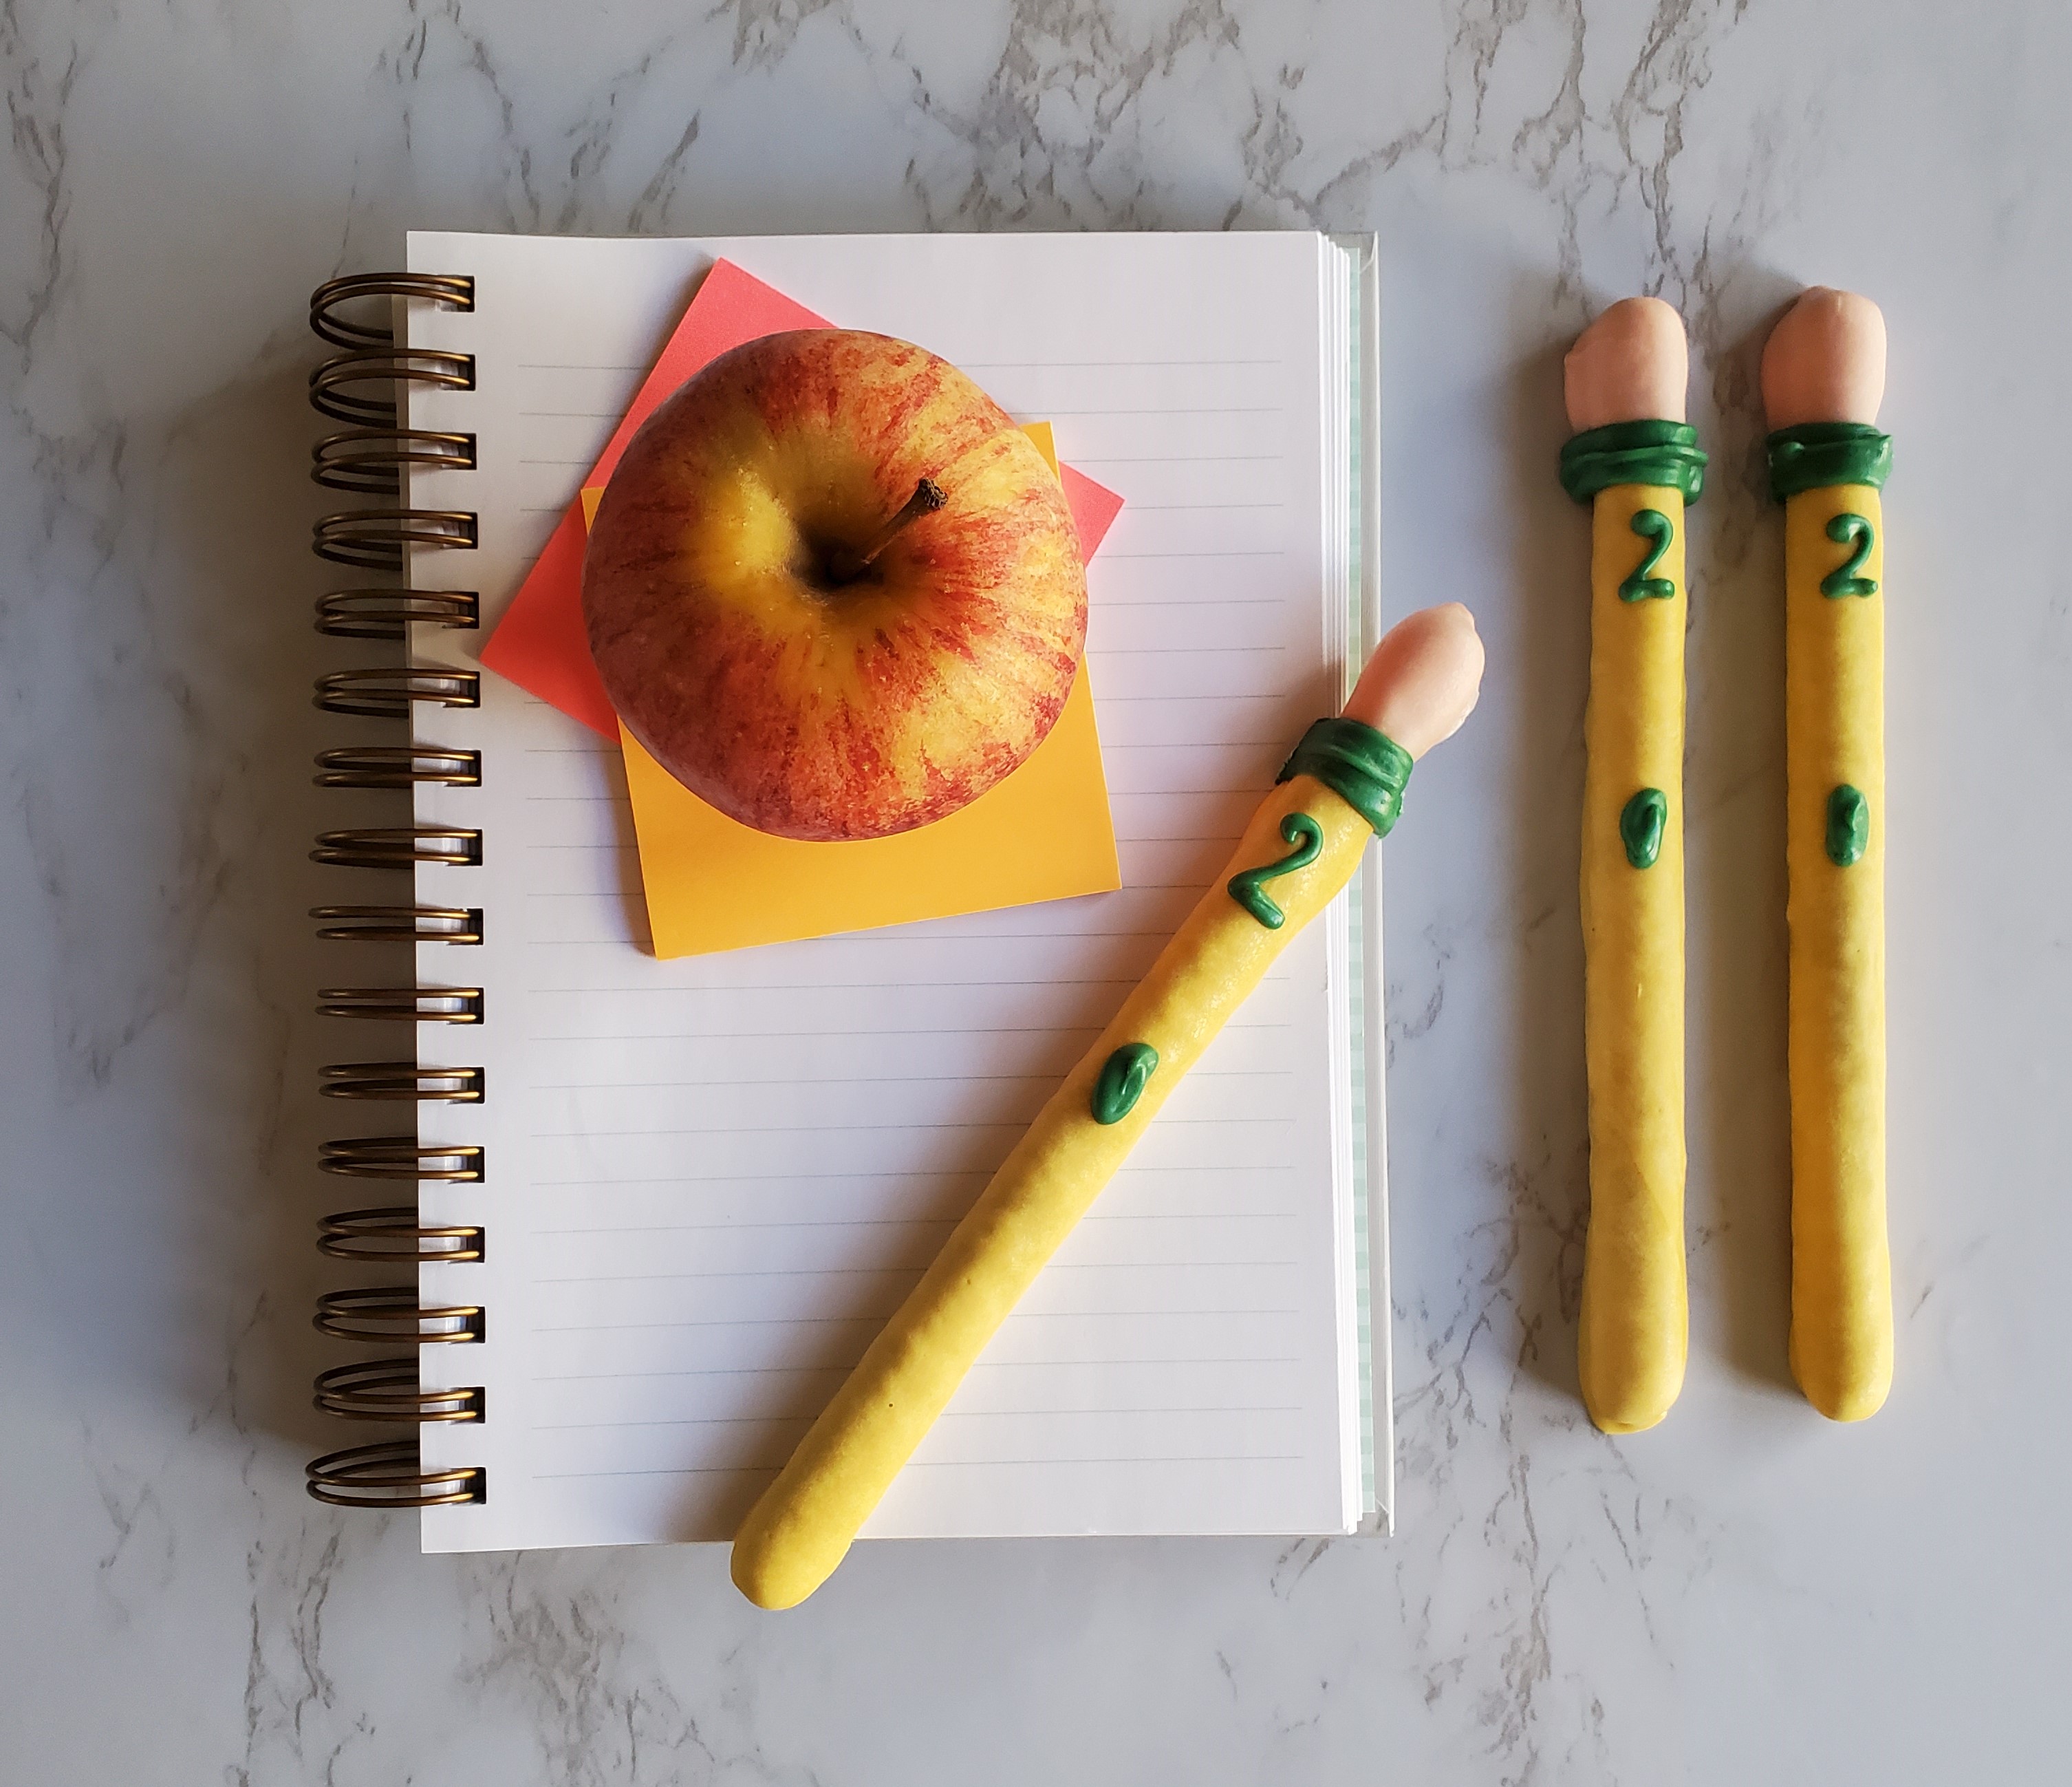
{"type": "Point", "coordinates": [1651, 525]}
{"type": "Point", "coordinates": [1248, 889]}
{"type": "Point", "coordinates": [1854, 531]}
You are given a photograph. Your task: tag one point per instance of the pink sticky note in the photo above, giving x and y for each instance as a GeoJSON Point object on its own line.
{"type": "Point", "coordinates": [539, 644]}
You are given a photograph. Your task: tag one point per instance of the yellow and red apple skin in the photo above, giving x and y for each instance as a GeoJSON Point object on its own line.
{"type": "Point", "coordinates": [795, 706]}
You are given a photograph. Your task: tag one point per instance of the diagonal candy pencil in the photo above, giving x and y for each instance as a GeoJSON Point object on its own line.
{"type": "Point", "coordinates": [1342, 786]}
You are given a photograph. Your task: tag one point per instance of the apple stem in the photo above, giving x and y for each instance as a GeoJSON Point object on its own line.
{"type": "Point", "coordinates": [927, 498]}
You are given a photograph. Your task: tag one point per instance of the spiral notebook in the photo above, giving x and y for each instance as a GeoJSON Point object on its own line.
{"type": "Point", "coordinates": [661, 1206]}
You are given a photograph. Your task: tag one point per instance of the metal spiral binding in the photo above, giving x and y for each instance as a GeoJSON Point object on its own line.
{"type": "Point", "coordinates": [389, 613]}
{"type": "Point", "coordinates": [402, 1004]}
{"type": "Point", "coordinates": [398, 1079]}
{"type": "Point", "coordinates": [393, 1235]}
{"type": "Point", "coordinates": [390, 1475]}
{"type": "Point", "coordinates": [400, 1157]}
{"type": "Point", "coordinates": [386, 693]}
{"type": "Point", "coordinates": [372, 454]}
{"type": "Point", "coordinates": [375, 539]}
{"type": "Point", "coordinates": [370, 461]}
{"type": "Point", "coordinates": [452, 291]}
{"type": "Point", "coordinates": [398, 923]}
{"type": "Point", "coordinates": [384, 1312]}
{"type": "Point", "coordinates": [397, 847]}
{"type": "Point", "coordinates": [397, 766]}
{"type": "Point", "coordinates": [387, 1389]}
{"type": "Point", "coordinates": [335, 385]}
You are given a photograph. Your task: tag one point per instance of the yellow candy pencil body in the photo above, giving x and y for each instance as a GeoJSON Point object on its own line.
{"type": "Point", "coordinates": [1834, 669]}
{"type": "Point", "coordinates": [1822, 382]}
{"type": "Point", "coordinates": [1636, 461]}
{"type": "Point", "coordinates": [1634, 1320]}
{"type": "Point", "coordinates": [1300, 850]}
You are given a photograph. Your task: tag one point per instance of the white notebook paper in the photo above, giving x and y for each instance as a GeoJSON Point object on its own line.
{"type": "Point", "coordinates": [708, 1181]}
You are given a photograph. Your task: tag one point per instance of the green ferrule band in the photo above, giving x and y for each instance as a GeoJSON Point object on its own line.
{"type": "Point", "coordinates": [1662, 453]}
{"type": "Point", "coordinates": [1367, 769]}
{"type": "Point", "coordinates": [1815, 454]}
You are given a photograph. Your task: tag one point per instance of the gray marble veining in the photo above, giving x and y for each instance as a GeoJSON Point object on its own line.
{"type": "Point", "coordinates": [1745, 1594]}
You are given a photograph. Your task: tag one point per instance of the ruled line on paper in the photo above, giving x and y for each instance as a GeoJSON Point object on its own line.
{"type": "Point", "coordinates": [1104, 1458]}
{"type": "Point", "coordinates": [947, 1418]}
{"type": "Point", "coordinates": [938, 1464]}
{"type": "Point", "coordinates": [589, 1183]}
{"type": "Point", "coordinates": [821, 986]}
{"type": "Point", "coordinates": [869, 1079]}
{"type": "Point", "coordinates": [1107, 1359]}
{"type": "Point", "coordinates": [981, 1365]}
{"type": "Point", "coordinates": [896, 1222]}
{"type": "Point", "coordinates": [876, 1317]}
{"type": "Point", "coordinates": [881, 1316]}
{"type": "Point", "coordinates": [1202, 701]}
{"type": "Point", "coordinates": [753, 1179]}
{"type": "Point", "coordinates": [1198, 605]}
{"type": "Point", "coordinates": [1014, 1125]}
{"type": "Point", "coordinates": [742, 1272]}
{"type": "Point", "coordinates": [1202, 409]}
{"type": "Point", "coordinates": [674, 1470]}
{"type": "Point", "coordinates": [781, 1129]}
{"type": "Point", "coordinates": [845, 986]}
{"type": "Point", "coordinates": [1045, 365]}
{"type": "Point", "coordinates": [746, 1228]}
{"type": "Point", "coordinates": [911, 1271]}
{"type": "Point", "coordinates": [880, 1033]}
{"type": "Point", "coordinates": [1140, 1315]}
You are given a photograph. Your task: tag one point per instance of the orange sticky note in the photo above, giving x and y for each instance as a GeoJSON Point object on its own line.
{"type": "Point", "coordinates": [1042, 834]}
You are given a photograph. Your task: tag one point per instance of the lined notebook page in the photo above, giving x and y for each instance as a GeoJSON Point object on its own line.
{"type": "Point", "coordinates": [708, 1181]}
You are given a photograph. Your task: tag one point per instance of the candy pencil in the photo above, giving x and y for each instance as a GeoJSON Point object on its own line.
{"type": "Point", "coordinates": [1822, 380]}
{"type": "Point", "coordinates": [1634, 460]}
{"type": "Point", "coordinates": [1342, 786]}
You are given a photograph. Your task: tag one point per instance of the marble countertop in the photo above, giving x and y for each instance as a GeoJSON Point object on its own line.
{"type": "Point", "coordinates": [1745, 1594]}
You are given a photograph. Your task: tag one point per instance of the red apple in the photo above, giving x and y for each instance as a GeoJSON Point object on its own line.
{"type": "Point", "coordinates": [832, 588]}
